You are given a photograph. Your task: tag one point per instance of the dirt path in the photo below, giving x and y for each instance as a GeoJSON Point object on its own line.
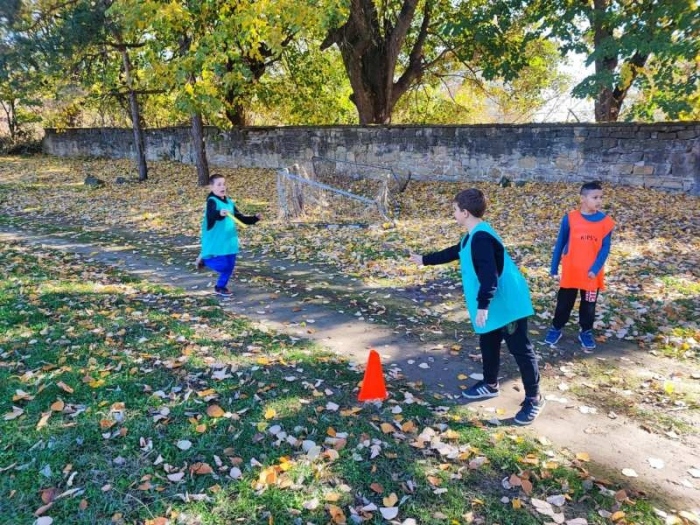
{"type": "Point", "coordinates": [613, 443]}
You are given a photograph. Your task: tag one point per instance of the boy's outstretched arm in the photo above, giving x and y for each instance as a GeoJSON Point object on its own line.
{"type": "Point", "coordinates": [246, 219]}
{"type": "Point", "coordinates": [442, 257]}
{"type": "Point", "coordinates": [560, 246]}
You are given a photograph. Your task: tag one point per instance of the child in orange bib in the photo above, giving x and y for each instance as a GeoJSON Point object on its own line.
{"type": "Point", "coordinates": [582, 246]}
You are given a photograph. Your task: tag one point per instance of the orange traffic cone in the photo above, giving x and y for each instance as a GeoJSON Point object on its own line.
{"type": "Point", "coordinates": [373, 387]}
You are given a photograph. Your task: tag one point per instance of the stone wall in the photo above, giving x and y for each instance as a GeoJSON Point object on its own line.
{"type": "Point", "coordinates": [664, 156]}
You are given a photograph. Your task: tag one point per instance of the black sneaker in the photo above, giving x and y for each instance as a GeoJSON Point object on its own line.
{"type": "Point", "coordinates": [531, 409]}
{"type": "Point", "coordinates": [225, 292]}
{"type": "Point", "coordinates": [480, 390]}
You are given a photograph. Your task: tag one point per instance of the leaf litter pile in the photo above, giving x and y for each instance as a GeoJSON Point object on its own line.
{"type": "Point", "coordinates": [653, 271]}
{"type": "Point", "coordinates": [128, 403]}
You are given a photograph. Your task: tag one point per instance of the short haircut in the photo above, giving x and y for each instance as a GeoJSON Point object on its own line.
{"type": "Point", "coordinates": [473, 201]}
{"type": "Point", "coordinates": [591, 186]}
{"type": "Point", "coordinates": [215, 176]}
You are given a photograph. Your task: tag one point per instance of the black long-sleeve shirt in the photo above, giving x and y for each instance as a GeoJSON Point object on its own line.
{"type": "Point", "coordinates": [214, 215]}
{"type": "Point", "coordinates": [487, 256]}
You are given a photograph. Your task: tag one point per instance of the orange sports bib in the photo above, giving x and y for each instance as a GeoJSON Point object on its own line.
{"type": "Point", "coordinates": [585, 242]}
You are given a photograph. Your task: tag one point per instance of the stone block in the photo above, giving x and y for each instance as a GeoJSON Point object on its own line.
{"type": "Point", "coordinates": [527, 162]}
{"type": "Point", "coordinates": [643, 170]}
{"type": "Point", "coordinates": [565, 163]}
{"type": "Point", "coordinates": [593, 144]}
{"type": "Point", "coordinates": [624, 169]}
{"type": "Point", "coordinates": [631, 157]}
{"type": "Point", "coordinates": [631, 180]}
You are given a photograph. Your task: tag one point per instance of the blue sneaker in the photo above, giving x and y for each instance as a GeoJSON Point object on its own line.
{"type": "Point", "coordinates": [480, 390]}
{"type": "Point", "coordinates": [553, 336]}
{"type": "Point", "coordinates": [585, 337]}
{"type": "Point", "coordinates": [531, 409]}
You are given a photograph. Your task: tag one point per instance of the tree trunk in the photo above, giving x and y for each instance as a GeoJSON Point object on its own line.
{"type": "Point", "coordinates": [200, 152]}
{"type": "Point", "coordinates": [610, 98]}
{"type": "Point", "coordinates": [370, 49]}
{"type": "Point", "coordinates": [9, 110]}
{"type": "Point", "coordinates": [607, 105]}
{"type": "Point", "coordinates": [235, 112]}
{"type": "Point", "coordinates": [235, 109]}
{"type": "Point", "coordinates": [139, 142]}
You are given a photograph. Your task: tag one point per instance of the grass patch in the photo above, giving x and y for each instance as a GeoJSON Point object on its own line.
{"type": "Point", "coordinates": [662, 403]}
{"type": "Point", "coordinates": [124, 402]}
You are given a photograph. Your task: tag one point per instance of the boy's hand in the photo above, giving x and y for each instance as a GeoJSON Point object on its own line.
{"type": "Point", "coordinates": [481, 317]}
{"type": "Point", "coordinates": [223, 213]}
{"type": "Point", "coordinates": [415, 258]}
{"type": "Point", "coordinates": [591, 275]}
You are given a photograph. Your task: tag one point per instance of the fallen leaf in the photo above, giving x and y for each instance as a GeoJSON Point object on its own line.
{"type": "Point", "coordinates": [390, 500]}
{"type": "Point", "coordinates": [41, 510]}
{"type": "Point", "coordinates": [389, 513]}
{"type": "Point", "coordinates": [184, 444]}
{"type": "Point", "coordinates": [64, 387]}
{"type": "Point", "coordinates": [656, 463]}
{"type": "Point", "coordinates": [617, 516]}
{"type": "Point", "coordinates": [200, 469]}
{"type": "Point", "coordinates": [43, 420]}
{"type": "Point", "coordinates": [337, 515]}
{"type": "Point", "coordinates": [176, 476]}
{"type": "Point", "coordinates": [215, 411]}
{"type": "Point", "coordinates": [16, 412]}
{"type": "Point", "coordinates": [387, 428]}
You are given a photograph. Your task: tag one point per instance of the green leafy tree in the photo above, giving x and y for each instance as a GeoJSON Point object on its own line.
{"type": "Point", "coordinates": [306, 87]}
{"type": "Point", "coordinates": [638, 45]}
{"type": "Point", "coordinates": [652, 100]}
{"type": "Point", "coordinates": [389, 47]}
{"type": "Point", "coordinates": [19, 83]}
{"type": "Point", "coordinates": [211, 55]}
{"type": "Point", "coordinates": [228, 47]}
{"type": "Point", "coordinates": [383, 49]}
{"type": "Point", "coordinates": [457, 94]}
{"type": "Point", "coordinates": [79, 45]}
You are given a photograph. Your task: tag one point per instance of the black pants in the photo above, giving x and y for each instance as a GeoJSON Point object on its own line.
{"type": "Point", "coordinates": [566, 298]}
{"type": "Point", "coordinates": [515, 335]}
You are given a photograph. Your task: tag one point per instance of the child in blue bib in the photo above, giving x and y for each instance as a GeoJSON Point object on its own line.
{"type": "Point", "coordinates": [219, 234]}
{"type": "Point", "coordinates": [497, 299]}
